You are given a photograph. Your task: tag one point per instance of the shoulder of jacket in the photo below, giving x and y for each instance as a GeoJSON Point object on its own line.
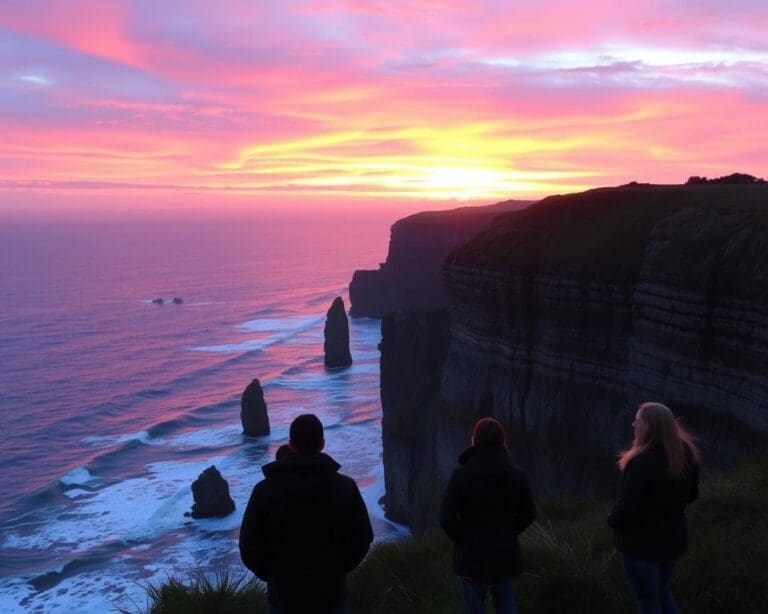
{"type": "Point", "coordinates": [344, 482]}
{"type": "Point", "coordinates": [647, 460]}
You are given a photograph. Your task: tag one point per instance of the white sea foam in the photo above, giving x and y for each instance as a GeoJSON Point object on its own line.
{"type": "Point", "coordinates": [283, 328]}
{"type": "Point", "coordinates": [252, 345]}
{"type": "Point", "coordinates": [288, 323]}
{"type": "Point", "coordinates": [325, 382]}
{"type": "Point", "coordinates": [136, 509]}
{"type": "Point", "coordinates": [12, 592]}
{"type": "Point", "coordinates": [111, 440]}
{"type": "Point", "coordinates": [81, 475]}
{"type": "Point", "coordinates": [73, 493]}
{"type": "Point", "coordinates": [92, 591]}
{"type": "Point", "coordinates": [229, 435]}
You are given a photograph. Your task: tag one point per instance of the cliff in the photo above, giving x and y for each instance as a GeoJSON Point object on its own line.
{"type": "Point", "coordinates": [410, 276]}
{"type": "Point", "coordinates": [563, 317]}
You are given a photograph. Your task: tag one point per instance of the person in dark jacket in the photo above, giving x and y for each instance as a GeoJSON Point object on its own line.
{"type": "Point", "coordinates": [660, 477]}
{"type": "Point", "coordinates": [486, 505]}
{"type": "Point", "coordinates": [305, 527]}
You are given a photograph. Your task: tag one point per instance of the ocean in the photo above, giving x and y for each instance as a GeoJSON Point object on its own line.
{"type": "Point", "coordinates": [112, 405]}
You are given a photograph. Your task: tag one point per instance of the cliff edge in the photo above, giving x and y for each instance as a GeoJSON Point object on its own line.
{"type": "Point", "coordinates": [418, 246]}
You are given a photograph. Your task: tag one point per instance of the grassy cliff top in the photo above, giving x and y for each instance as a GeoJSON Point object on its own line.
{"type": "Point", "coordinates": [607, 231]}
{"type": "Point", "coordinates": [455, 218]}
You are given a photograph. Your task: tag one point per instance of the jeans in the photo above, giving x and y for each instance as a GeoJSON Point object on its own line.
{"type": "Point", "coordinates": [474, 597]}
{"type": "Point", "coordinates": [648, 583]}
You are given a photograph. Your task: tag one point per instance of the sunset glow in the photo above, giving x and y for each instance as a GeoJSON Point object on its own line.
{"type": "Point", "coordinates": [256, 103]}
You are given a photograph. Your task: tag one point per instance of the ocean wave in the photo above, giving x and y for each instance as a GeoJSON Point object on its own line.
{"type": "Point", "coordinates": [288, 323]}
{"type": "Point", "coordinates": [77, 477]}
{"type": "Point", "coordinates": [286, 328]}
{"type": "Point", "coordinates": [252, 345]}
{"type": "Point", "coordinates": [136, 509]}
{"type": "Point", "coordinates": [73, 493]}
{"type": "Point", "coordinates": [111, 440]}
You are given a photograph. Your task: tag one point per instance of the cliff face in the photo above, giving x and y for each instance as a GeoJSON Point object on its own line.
{"type": "Point", "coordinates": [565, 316]}
{"type": "Point", "coordinates": [413, 348]}
{"type": "Point", "coordinates": [419, 244]}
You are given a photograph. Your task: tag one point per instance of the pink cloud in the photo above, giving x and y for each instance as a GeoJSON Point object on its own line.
{"type": "Point", "coordinates": [373, 97]}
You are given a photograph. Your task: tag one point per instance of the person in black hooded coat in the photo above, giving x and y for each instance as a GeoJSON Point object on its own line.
{"type": "Point", "coordinates": [660, 478]}
{"type": "Point", "coordinates": [305, 527]}
{"type": "Point", "coordinates": [486, 505]}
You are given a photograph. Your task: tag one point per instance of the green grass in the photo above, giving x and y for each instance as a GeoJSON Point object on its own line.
{"type": "Point", "coordinates": [571, 565]}
{"type": "Point", "coordinates": [224, 593]}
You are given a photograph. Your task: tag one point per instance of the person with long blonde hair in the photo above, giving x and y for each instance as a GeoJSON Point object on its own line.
{"type": "Point", "coordinates": [660, 477]}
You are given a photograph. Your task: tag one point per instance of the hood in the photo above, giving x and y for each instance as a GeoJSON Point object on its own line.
{"type": "Point", "coordinates": [301, 463]}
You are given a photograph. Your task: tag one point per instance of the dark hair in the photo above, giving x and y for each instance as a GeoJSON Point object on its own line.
{"type": "Point", "coordinates": [282, 451]}
{"type": "Point", "coordinates": [306, 433]}
{"type": "Point", "coordinates": [488, 431]}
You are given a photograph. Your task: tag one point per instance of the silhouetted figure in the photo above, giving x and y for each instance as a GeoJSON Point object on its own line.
{"type": "Point", "coordinates": [306, 526]}
{"type": "Point", "coordinates": [282, 451]}
{"type": "Point", "coordinates": [487, 504]}
{"type": "Point", "coordinates": [661, 476]}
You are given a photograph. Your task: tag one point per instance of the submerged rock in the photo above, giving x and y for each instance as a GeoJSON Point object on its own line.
{"type": "Point", "coordinates": [178, 300]}
{"type": "Point", "coordinates": [158, 301]}
{"type": "Point", "coordinates": [337, 336]}
{"type": "Point", "coordinates": [253, 411]}
{"type": "Point", "coordinates": [211, 495]}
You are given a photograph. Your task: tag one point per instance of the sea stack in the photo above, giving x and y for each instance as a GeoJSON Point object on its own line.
{"type": "Point", "coordinates": [211, 494]}
{"type": "Point", "coordinates": [337, 336]}
{"type": "Point", "coordinates": [253, 411]}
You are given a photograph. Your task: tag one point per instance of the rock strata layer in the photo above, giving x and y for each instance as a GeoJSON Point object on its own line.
{"type": "Point", "coordinates": [211, 495]}
{"type": "Point", "coordinates": [253, 411]}
{"type": "Point", "coordinates": [336, 334]}
{"type": "Point", "coordinates": [563, 317]}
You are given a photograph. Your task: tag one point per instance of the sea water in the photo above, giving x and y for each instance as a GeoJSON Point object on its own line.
{"type": "Point", "coordinates": [111, 405]}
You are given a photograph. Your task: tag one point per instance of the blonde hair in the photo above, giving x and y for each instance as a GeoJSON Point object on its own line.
{"type": "Point", "coordinates": [662, 428]}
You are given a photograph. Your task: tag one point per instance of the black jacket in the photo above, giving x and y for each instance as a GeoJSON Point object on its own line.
{"type": "Point", "coordinates": [649, 517]}
{"type": "Point", "coordinates": [305, 527]}
{"type": "Point", "coordinates": [486, 506]}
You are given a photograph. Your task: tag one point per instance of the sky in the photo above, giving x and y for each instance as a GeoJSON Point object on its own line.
{"type": "Point", "coordinates": [115, 104]}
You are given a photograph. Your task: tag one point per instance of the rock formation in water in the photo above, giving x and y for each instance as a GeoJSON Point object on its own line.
{"type": "Point", "coordinates": [253, 411]}
{"type": "Point", "coordinates": [419, 244]}
{"type": "Point", "coordinates": [565, 316]}
{"type": "Point", "coordinates": [211, 495]}
{"type": "Point", "coordinates": [337, 336]}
